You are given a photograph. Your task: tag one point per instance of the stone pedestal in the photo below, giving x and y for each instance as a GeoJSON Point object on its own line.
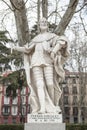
{"type": "Point", "coordinates": [46, 126]}
{"type": "Point", "coordinates": [44, 122]}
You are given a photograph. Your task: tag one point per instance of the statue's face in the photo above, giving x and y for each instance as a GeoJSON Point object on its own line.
{"type": "Point", "coordinates": [43, 24]}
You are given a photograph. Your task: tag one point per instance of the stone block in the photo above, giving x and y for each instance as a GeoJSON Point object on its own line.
{"type": "Point", "coordinates": [44, 126]}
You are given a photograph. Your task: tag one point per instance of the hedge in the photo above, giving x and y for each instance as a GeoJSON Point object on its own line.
{"type": "Point", "coordinates": [76, 127]}
{"type": "Point", "coordinates": [21, 127]}
{"type": "Point", "coordinates": [11, 127]}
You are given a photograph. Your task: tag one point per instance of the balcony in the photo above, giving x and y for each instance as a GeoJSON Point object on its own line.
{"type": "Point", "coordinates": [5, 114]}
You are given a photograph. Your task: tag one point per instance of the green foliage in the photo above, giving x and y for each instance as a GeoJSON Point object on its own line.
{"type": "Point", "coordinates": [4, 51]}
{"type": "Point", "coordinates": [11, 127]}
{"type": "Point", "coordinates": [4, 59]}
{"type": "Point", "coordinates": [21, 127]}
{"type": "Point", "coordinates": [76, 127]}
{"type": "Point", "coordinates": [14, 81]}
{"type": "Point", "coordinates": [3, 37]}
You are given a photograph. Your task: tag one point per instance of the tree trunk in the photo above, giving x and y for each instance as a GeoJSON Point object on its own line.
{"type": "Point", "coordinates": [67, 17]}
{"type": "Point", "coordinates": [45, 8]}
{"type": "Point", "coordinates": [21, 21]}
{"type": "Point", "coordinates": [38, 15]}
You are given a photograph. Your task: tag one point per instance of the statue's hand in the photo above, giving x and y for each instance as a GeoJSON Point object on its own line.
{"type": "Point", "coordinates": [52, 55]}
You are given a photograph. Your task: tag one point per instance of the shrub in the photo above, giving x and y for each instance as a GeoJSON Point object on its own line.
{"type": "Point", "coordinates": [11, 127]}
{"type": "Point", "coordinates": [21, 127]}
{"type": "Point", "coordinates": [76, 127]}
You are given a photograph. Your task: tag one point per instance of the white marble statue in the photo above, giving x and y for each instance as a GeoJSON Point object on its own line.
{"type": "Point", "coordinates": [44, 57]}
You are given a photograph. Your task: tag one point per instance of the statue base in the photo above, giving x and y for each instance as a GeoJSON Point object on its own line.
{"type": "Point", "coordinates": [44, 122]}
{"type": "Point", "coordinates": [46, 126]}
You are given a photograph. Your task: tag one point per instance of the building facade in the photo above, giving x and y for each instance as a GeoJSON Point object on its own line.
{"type": "Point", "coordinates": [14, 110]}
{"type": "Point", "coordinates": [74, 98]}
{"type": "Point", "coordinates": [73, 102]}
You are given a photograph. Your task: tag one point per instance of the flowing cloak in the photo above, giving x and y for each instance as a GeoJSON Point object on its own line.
{"type": "Point", "coordinates": [59, 73]}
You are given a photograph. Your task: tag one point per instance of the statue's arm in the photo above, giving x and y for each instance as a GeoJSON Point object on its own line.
{"type": "Point", "coordinates": [24, 49]}
{"type": "Point", "coordinates": [58, 46]}
{"type": "Point", "coordinates": [20, 49]}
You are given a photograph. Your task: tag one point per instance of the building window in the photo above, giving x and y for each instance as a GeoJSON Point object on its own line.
{"type": "Point", "coordinates": [14, 110]}
{"type": "Point", "coordinates": [75, 100]}
{"type": "Point", "coordinates": [6, 100]}
{"type": "Point", "coordinates": [74, 90]}
{"type": "Point", "coordinates": [66, 100]}
{"type": "Point", "coordinates": [75, 119]}
{"type": "Point", "coordinates": [65, 81]}
{"type": "Point", "coordinates": [66, 90]}
{"type": "Point", "coordinates": [67, 111]}
{"type": "Point", "coordinates": [6, 110]}
{"type": "Point", "coordinates": [75, 111]}
{"type": "Point", "coordinates": [74, 80]}
{"type": "Point", "coordinates": [23, 92]}
{"type": "Point", "coordinates": [83, 111]}
{"type": "Point", "coordinates": [15, 101]}
{"type": "Point", "coordinates": [23, 98]}
{"type": "Point", "coordinates": [24, 110]}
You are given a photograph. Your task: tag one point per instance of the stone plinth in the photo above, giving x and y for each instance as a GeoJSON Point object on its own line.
{"type": "Point", "coordinates": [44, 122]}
{"type": "Point", "coordinates": [46, 126]}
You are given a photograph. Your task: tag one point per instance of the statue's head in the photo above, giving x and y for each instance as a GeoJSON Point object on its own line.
{"type": "Point", "coordinates": [43, 24]}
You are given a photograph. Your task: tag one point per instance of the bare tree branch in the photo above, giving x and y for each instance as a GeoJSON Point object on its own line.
{"type": "Point", "coordinates": [38, 15]}
{"type": "Point", "coordinates": [55, 11]}
{"type": "Point", "coordinates": [45, 8]}
{"type": "Point", "coordinates": [26, 2]}
{"type": "Point", "coordinates": [83, 24]}
{"type": "Point", "coordinates": [21, 21]}
{"type": "Point", "coordinates": [81, 7]}
{"type": "Point", "coordinates": [7, 5]}
{"type": "Point", "coordinates": [66, 17]}
{"type": "Point", "coordinates": [18, 6]}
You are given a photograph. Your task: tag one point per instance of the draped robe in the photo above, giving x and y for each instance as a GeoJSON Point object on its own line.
{"type": "Point", "coordinates": [32, 58]}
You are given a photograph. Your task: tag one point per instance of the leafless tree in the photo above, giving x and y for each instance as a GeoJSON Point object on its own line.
{"type": "Point", "coordinates": [21, 21]}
